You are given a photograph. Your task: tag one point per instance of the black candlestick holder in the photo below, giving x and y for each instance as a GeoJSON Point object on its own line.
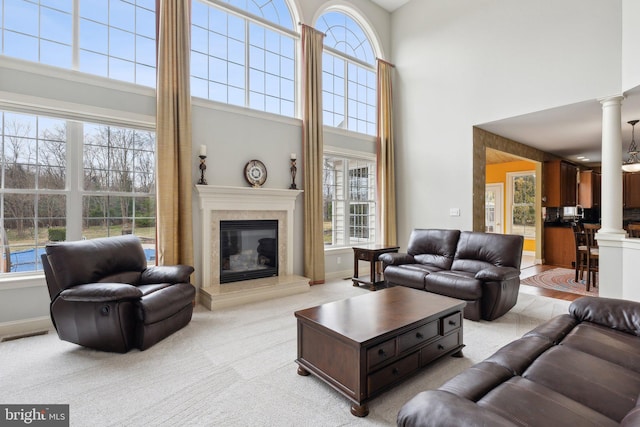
{"type": "Point", "coordinates": [293, 170]}
{"type": "Point", "coordinates": [203, 167]}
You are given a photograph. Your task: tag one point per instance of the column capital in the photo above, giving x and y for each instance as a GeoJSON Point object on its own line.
{"type": "Point", "coordinates": [612, 99]}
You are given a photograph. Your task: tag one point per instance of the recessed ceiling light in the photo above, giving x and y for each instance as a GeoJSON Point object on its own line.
{"type": "Point", "coordinates": [580, 157]}
{"type": "Point", "coordinates": [585, 160]}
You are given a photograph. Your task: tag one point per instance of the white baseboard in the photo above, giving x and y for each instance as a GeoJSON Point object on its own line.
{"type": "Point", "coordinates": [25, 327]}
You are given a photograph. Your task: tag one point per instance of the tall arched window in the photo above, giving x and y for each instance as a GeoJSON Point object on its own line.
{"type": "Point", "coordinates": [349, 74]}
{"type": "Point", "coordinates": [243, 53]}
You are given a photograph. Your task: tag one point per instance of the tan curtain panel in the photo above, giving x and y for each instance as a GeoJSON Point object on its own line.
{"type": "Point", "coordinates": [312, 149]}
{"type": "Point", "coordinates": [173, 134]}
{"type": "Point", "coordinates": [386, 207]}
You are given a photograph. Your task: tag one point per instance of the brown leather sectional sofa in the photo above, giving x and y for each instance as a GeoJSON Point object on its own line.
{"type": "Point", "coordinates": [579, 369]}
{"type": "Point", "coordinates": [481, 268]}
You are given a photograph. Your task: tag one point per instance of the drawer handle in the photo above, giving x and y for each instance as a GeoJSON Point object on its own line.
{"type": "Point", "coordinates": [440, 347]}
{"type": "Point", "coordinates": [451, 322]}
{"type": "Point", "coordinates": [419, 335]}
{"type": "Point", "coordinates": [381, 353]}
{"type": "Point", "coordinates": [395, 371]}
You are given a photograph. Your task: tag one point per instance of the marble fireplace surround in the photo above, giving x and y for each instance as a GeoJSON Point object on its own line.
{"type": "Point", "coordinates": [221, 203]}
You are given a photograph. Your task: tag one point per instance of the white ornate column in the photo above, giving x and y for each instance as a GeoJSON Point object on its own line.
{"type": "Point", "coordinates": [611, 213]}
{"type": "Point", "coordinates": [611, 235]}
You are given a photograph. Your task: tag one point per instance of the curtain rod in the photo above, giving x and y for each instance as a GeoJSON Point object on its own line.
{"type": "Point", "coordinates": [386, 62]}
{"type": "Point", "coordinates": [309, 26]}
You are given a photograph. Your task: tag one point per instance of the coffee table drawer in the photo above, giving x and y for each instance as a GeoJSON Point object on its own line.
{"type": "Point", "coordinates": [393, 372]}
{"type": "Point", "coordinates": [417, 336]}
{"type": "Point", "coordinates": [440, 347]}
{"type": "Point", "coordinates": [451, 322]}
{"type": "Point", "coordinates": [381, 353]}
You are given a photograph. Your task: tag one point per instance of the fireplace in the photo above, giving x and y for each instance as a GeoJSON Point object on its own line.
{"type": "Point", "coordinates": [248, 250]}
{"type": "Point", "coordinates": [220, 206]}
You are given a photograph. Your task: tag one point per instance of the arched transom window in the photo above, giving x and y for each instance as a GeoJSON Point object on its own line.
{"type": "Point", "coordinates": [243, 53]}
{"type": "Point", "coordinates": [349, 76]}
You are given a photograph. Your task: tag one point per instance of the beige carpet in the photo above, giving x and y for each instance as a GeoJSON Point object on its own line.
{"type": "Point", "coordinates": [232, 367]}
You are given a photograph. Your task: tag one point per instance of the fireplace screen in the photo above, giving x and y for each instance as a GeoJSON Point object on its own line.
{"type": "Point", "coordinates": [248, 250]}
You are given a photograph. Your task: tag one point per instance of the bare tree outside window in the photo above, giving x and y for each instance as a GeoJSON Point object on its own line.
{"type": "Point", "coordinates": [118, 194]}
{"type": "Point", "coordinates": [523, 213]}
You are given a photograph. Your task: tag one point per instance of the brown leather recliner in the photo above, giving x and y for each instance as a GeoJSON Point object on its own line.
{"type": "Point", "coordinates": [105, 297]}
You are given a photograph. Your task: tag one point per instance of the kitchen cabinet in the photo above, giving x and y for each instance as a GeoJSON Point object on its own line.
{"type": "Point", "coordinates": [631, 190]}
{"type": "Point", "coordinates": [560, 182]}
{"type": "Point", "coordinates": [559, 246]}
{"type": "Point", "coordinates": [589, 189]}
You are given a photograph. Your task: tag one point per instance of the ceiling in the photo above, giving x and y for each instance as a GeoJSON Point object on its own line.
{"type": "Point", "coordinates": [568, 131]}
{"type": "Point", "coordinates": [390, 5]}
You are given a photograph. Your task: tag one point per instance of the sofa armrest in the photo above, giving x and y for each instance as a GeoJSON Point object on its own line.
{"type": "Point", "coordinates": [497, 274]}
{"type": "Point", "coordinates": [393, 258]}
{"type": "Point", "coordinates": [439, 408]}
{"type": "Point", "coordinates": [617, 314]}
{"type": "Point", "coordinates": [166, 274]}
{"type": "Point", "coordinates": [101, 292]}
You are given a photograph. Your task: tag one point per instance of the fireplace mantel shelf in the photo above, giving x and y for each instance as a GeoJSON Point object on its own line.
{"type": "Point", "coordinates": [222, 191]}
{"type": "Point", "coordinates": [229, 203]}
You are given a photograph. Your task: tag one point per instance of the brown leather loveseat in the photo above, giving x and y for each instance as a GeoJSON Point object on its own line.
{"type": "Point", "coordinates": [578, 369]}
{"type": "Point", "coordinates": [481, 268]}
{"type": "Point", "coordinates": [105, 297]}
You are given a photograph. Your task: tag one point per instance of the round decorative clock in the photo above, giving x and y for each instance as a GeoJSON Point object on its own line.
{"type": "Point", "coordinates": [255, 173]}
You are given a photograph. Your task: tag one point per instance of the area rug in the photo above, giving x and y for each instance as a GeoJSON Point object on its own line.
{"type": "Point", "coordinates": [560, 279]}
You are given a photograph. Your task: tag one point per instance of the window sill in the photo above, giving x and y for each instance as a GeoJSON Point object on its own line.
{"type": "Point", "coordinates": [21, 281]}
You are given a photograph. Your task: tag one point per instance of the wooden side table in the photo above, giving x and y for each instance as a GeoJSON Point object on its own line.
{"type": "Point", "coordinates": [370, 253]}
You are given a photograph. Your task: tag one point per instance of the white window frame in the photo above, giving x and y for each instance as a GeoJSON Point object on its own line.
{"type": "Point", "coordinates": [249, 20]}
{"type": "Point", "coordinates": [358, 63]}
{"type": "Point", "coordinates": [75, 43]}
{"type": "Point", "coordinates": [74, 190]}
{"type": "Point", "coordinates": [509, 208]}
{"type": "Point", "coordinates": [346, 239]}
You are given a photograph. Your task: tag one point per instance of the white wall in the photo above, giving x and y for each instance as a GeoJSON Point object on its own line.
{"type": "Point", "coordinates": [465, 62]}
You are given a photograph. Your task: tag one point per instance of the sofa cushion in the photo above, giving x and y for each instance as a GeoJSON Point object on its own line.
{"type": "Point", "coordinates": [606, 387]}
{"type": "Point", "coordinates": [476, 251]}
{"type": "Point", "coordinates": [410, 275]}
{"type": "Point", "coordinates": [614, 346]}
{"type": "Point", "coordinates": [88, 261]}
{"type": "Point", "coordinates": [433, 247]}
{"type": "Point", "coordinates": [455, 284]}
{"type": "Point", "coordinates": [164, 303]}
{"type": "Point", "coordinates": [527, 403]}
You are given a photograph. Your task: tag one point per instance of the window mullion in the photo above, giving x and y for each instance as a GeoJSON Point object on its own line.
{"type": "Point", "coordinates": [346, 202]}
{"type": "Point", "coordinates": [75, 40]}
{"type": "Point", "coordinates": [247, 68]}
{"type": "Point", "coordinates": [74, 187]}
{"type": "Point", "coordinates": [345, 121]}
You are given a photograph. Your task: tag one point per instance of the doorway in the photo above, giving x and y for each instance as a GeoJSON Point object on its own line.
{"type": "Point", "coordinates": [494, 208]}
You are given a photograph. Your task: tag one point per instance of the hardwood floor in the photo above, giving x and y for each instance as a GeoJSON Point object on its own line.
{"type": "Point", "coordinates": [534, 290]}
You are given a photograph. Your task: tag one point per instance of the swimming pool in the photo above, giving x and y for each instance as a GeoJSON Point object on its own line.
{"type": "Point", "coordinates": [29, 259]}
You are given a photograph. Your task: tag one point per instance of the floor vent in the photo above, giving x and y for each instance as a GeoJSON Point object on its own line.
{"type": "Point", "coordinates": [25, 335]}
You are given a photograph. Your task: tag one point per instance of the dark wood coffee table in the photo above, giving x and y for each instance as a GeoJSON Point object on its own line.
{"type": "Point", "coordinates": [364, 345]}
